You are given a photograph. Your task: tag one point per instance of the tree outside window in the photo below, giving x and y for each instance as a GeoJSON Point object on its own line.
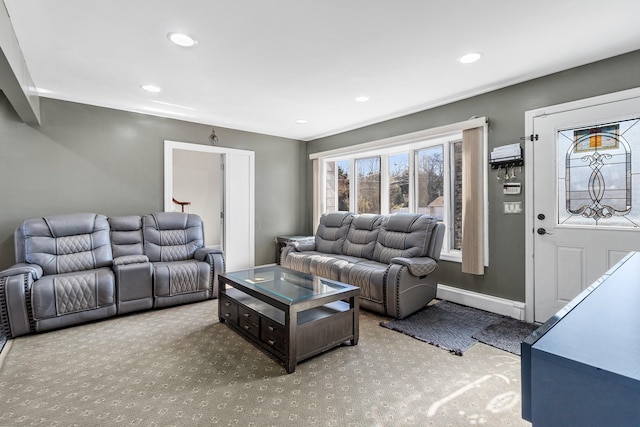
{"type": "Point", "coordinates": [343, 185]}
{"type": "Point", "coordinates": [399, 183]}
{"type": "Point", "coordinates": [430, 181]}
{"type": "Point", "coordinates": [368, 185]}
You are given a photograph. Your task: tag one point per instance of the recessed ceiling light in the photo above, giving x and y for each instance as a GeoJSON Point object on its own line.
{"type": "Point", "coordinates": [469, 58]}
{"type": "Point", "coordinates": [182, 39]}
{"type": "Point", "coordinates": [362, 99]}
{"type": "Point", "coordinates": [151, 88]}
{"type": "Point", "coordinates": [301, 121]}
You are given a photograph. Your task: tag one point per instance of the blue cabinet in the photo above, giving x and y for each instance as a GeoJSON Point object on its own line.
{"type": "Point", "coordinates": [582, 367]}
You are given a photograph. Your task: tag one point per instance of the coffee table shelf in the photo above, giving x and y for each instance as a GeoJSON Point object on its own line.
{"type": "Point", "coordinates": [290, 315]}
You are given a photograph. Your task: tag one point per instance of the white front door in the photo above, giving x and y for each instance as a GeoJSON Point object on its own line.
{"type": "Point", "coordinates": [586, 195]}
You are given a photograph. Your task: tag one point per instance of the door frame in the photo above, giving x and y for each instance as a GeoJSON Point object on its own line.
{"type": "Point", "coordinates": [529, 117]}
{"type": "Point", "coordinates": [170, 146]}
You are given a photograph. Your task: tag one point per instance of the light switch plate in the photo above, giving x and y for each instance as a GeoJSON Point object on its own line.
{"type": "Point", "coordinates": [512, 207]}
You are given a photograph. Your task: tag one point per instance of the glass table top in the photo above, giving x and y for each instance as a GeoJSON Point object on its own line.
{"type": "Point", "coordinates": [292, 286]}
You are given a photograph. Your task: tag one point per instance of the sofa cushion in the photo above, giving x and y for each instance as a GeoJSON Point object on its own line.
{"type": "Point", "coordinates": [362, 236]}
{"type": "Point", "coordinates": [299, 261]}
{"type": "Point", "coordinates": [60, 294]}
{"type": "Point", "coordinates": [65, 243]}
{"type": "Point", "coordinates": [403, 235]}
{"type": "Point", "coordinates": [172, 236]}
{"type": "Point", "coordinates": [126, 235]}
{"type": "Point", "coordinates": [180, 277]}
{"type": "Point", "coordinates": [369, 276]}
{"type": "Point", "coordinates": [332, 232]}
{"type": "Point", "coordinates": [325, 265]}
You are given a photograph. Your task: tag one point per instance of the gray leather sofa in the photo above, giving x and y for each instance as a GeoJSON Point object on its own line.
{"type": "Point", "coordinates": [391, 258]}
{"type": "Point", "coordinates": [75, 268]}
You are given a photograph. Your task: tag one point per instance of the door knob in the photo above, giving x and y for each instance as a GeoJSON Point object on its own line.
{"type": "Point", "coordinates": [541, 231]}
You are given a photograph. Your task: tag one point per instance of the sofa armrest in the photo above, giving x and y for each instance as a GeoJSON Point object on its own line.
{"type": "Point", "coordinates": [303, 245]}
{"type": "Point", "coordinates": [214, 256]}
{"type": "Point", "coordinates": [15, 299]}
{"type": "Point", "coordinates": [130, 259]}
{"type": "Point", "coordinates": [134, 283]}
{"type": "Point", "coordinates": [201, 254]}
{"type": "Point", "coordinates": [418, 266]}
{"type": "Point", "coordinates": [408, 291]}
{"type": "Point", "coordinates": [34, 270]}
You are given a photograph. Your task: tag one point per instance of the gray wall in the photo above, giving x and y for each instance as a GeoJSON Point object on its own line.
{"type": "Point", "coordinates": [92, 159]}
{"type": "Point", "coordinates": [85, 158]}
{"type": "Point", "coordinates": [505, 108]}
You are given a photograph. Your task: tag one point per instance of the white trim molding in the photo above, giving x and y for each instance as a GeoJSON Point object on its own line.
{"type": "Point", "coordinates": [504, 307]}
{"type": "Point", "coordinates": [409, 142]}
{"type": "Point", "coordinates": [406, 138]}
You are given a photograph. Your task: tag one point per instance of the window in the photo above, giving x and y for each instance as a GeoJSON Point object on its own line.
{"type": "Point", "coordinates": [419, 172]}
{"type": "Point", "coordinates": [430, 181]}
{"type": "Point", "coordinates": [368, 188]}
{"type": "Point", "coordinates": [386, 184]}
{"type": "Point", "coordinates": [399, 183]}
{"type": "Point", "coordinates": [337, 181]}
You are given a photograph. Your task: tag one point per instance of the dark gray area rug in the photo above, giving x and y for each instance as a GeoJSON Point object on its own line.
{"type": "Point", "coordinates": [457, 328]}
{"type": "Point", "coordinates": [506, 334]}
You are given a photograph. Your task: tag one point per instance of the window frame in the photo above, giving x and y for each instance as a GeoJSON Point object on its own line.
{"type": "Point", "coordinates": [411, 143]}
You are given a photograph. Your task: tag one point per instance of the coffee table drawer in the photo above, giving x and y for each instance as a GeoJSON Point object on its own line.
{"type": "Point", "coordinates": [272, 334]}
{"type": "Point", "coordinates": [228, 310]}
{"type": "Point", "coordinates": [248, 327]}
{"type": "Point", "coordinates": [248, 316]}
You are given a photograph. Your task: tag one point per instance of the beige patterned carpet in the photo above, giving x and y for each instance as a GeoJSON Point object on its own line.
{"type": "Point", "coordinates": [180, 367]}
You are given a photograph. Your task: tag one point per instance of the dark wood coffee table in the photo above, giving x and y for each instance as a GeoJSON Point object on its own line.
{"type": "Point", "coordinates": [290, 315]}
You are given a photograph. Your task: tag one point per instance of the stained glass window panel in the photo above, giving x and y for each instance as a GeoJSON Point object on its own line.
{"type": "Point", "coordinates": [598, 173]}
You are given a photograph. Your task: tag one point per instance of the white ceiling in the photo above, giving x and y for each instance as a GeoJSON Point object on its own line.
{"type": "Point", "coordinates": [261, 65]}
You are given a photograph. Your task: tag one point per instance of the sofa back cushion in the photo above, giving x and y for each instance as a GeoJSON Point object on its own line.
{"type": "Point", "coordinates": [172, 236]}
{"type": "Point", "coordinates": [404, 235]}
{"type": "Point", "coordinates": [64, 243]}
{"type": "Point", "coordinates": [126, 235]}
{"type": "Point", "coordinates": [362, 236]}
{"type": "Point", "coordinates": [332, 232]}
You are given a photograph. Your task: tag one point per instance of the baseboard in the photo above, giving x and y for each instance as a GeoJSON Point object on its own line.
{"type": "Point", "coordinates": [505, 307]}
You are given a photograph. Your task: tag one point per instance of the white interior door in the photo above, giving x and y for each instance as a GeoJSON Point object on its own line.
{"type": "Point", "coordinates": [237, 210]}
{"type": "Point", "coordinates": [586, 193]}
{"type": "Point", "coordinates": [239, 218]}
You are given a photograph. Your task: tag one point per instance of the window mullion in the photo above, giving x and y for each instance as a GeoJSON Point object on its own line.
{"type": "Point", "coordinates": [413, 188]}
{"type": "Point", "coordinates": [352, 186]}
{"type": "Point", "coordinates": [448, 199]}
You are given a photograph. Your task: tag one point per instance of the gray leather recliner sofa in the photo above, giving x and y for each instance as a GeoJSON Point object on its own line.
{"type": "Point", "coordinates": [391, 258]}
{"type": "Point", "coordinates": [75, 268]}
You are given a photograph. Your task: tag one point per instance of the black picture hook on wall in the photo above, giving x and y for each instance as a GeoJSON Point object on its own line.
{"type": "Point", "coordinates": [213, 139]}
